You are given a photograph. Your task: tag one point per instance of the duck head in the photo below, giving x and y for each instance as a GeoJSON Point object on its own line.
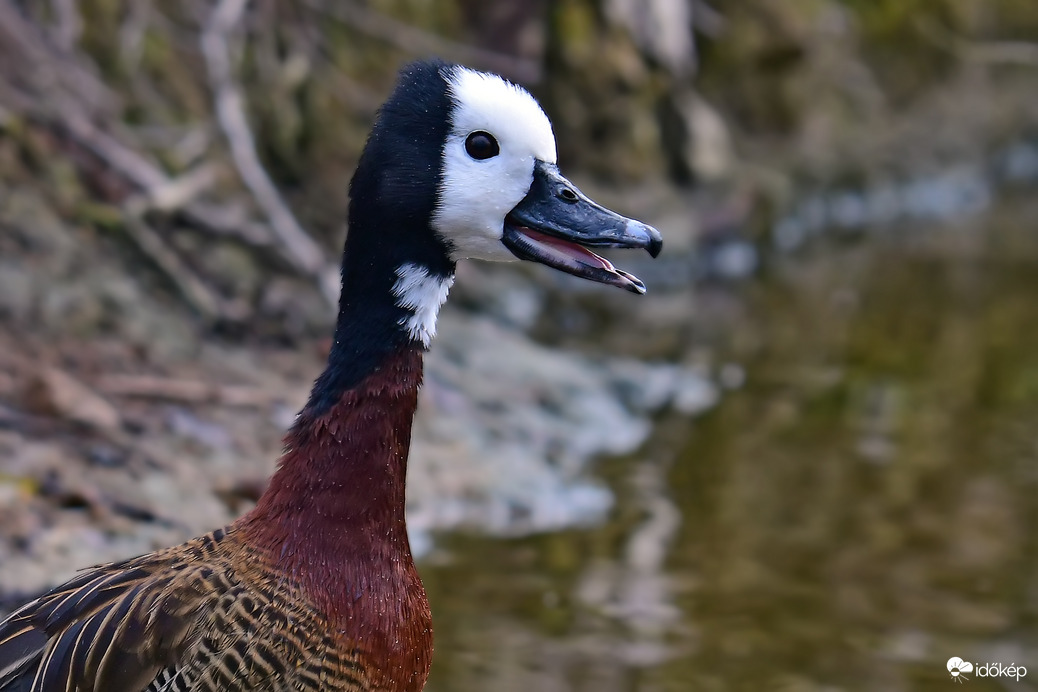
{"type": "Point", "coordinates": [459, 164]}
{"type": "Point", "coordinates": [466, 161]}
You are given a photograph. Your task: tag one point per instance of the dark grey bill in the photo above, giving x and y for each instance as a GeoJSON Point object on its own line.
{"type": "Point", "coordinates": [556, 224]}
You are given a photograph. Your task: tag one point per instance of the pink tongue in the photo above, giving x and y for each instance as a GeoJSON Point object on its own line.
{"type": "Point", "coordinates": [572, 250]}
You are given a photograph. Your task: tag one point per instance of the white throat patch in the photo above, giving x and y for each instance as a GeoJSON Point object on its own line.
{"type": "Point", "coordinates": [476, 195]}
{"type": "Point", "coordinates": [422, 294]}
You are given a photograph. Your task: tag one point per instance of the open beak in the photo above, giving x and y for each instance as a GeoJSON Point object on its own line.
{"type": "Point", "coordinates": [556, 224]}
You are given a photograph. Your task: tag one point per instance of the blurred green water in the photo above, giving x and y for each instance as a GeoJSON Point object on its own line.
{"type": "Point", "coordinates": [860, 511]}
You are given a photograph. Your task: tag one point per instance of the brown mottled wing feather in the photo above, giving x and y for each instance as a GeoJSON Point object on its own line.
{"type": "Point", "coordinates": [180, 619]}
{"type": "Point", "coordinates": [89, 629]}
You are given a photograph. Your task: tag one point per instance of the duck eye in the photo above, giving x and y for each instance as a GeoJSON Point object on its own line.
{"type": "Point", "coordinates": [481, 145]}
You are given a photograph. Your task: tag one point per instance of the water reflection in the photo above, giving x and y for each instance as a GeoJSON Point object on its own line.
{"type": "Point", "coordinates": [860, 511]}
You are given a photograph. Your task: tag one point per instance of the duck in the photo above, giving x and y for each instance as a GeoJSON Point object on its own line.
{"type": "Point", "coordinates": [315, 588]}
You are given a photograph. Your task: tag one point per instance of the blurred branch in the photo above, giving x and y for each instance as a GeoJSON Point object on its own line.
{"type": "Point", "coordinates": [661, 29]}
{"type": "Point", "coordinates": [302, 251]}
{"type": "Point", "coordinates": [706, 20]}
{"type": "Point", "coordinates": [229, 219]}
{"type": "Point", "coordinates": [178, 192]}
{"type": "Point", "coordinates": [415, 41]}
{"type": "Point", "coordinates": [69, 24]}
{"type": "Point", "coordinates": [135, 168]}
{"type": "Point", "coordinates": [189, 391]}
{"type": "Point", "coordinates": [190, 287]}
{"type": "Point", "coordinates": [170, 196]}
{"type": "Point", "coordinates": [47, 67]}
{"type": "Point", "coordinates": [132, 32]}
{"type": "Point", "coordinates": [990, 52]}
{"type": "Point", "coordinates": [1012, 52]}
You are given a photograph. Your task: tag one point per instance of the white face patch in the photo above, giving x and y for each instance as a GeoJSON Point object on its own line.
{"type": "Point", "coordinates": [422, 294]}
{"type": "Point", "coordinates": [477, 194]}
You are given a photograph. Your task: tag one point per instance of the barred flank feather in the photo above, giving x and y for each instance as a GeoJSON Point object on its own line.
{"type": "Point", "coordinates": [203, 617]}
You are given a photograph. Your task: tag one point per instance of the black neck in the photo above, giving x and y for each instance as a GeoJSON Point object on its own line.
{"type": "Point", "coordinates": [381, 239]}
{"type": "Point", "coordinates": [370, 323]}
{"type": "Point", "coordinates": [392, 200]}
